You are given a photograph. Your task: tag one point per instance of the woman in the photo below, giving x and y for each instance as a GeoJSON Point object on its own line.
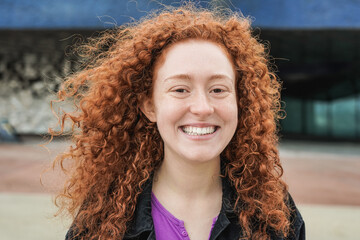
{"type": "Point", "coordinates": [176, 134]}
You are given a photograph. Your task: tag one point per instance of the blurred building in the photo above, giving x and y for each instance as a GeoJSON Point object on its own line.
{"type": "Point", "coordinates": [314, 44]}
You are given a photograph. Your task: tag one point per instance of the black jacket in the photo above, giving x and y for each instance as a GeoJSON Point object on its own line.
{"type": "Point", "coordinates": [225, 228]}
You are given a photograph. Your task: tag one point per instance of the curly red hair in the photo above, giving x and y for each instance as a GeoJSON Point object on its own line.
{"type": "Point", "coordinates": [116, 149]}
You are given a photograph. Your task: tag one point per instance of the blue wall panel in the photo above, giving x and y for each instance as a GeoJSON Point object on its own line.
{"type": "Point", "coordinates": [303, 13]}
{"type": "Point", "coordinates": [96, 13]}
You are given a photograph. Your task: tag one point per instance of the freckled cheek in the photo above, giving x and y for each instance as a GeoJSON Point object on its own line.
{"type": "Point", "coordinates": [168, 115]}
{"type": "Point", "coordinates": [231, 117]}
{"type": "Point", "coordinates": [229, 111]}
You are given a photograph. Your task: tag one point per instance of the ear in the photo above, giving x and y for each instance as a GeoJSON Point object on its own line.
{"type": "Point", "coordinates": [148, 108]}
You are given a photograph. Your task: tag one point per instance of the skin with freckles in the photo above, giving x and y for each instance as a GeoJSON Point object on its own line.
{"type": "Point", "coordinates": [194, 107]}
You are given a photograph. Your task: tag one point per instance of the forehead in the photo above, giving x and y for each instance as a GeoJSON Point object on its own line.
{"type": "Point", "coordinates": [194, 56]}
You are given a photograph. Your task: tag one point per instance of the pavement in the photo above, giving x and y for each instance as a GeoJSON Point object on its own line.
{"type": "Point", "coordinates": [323, 178]}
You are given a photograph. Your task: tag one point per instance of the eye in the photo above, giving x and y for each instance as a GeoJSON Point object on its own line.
{"type": "Point", "coordinates": [220, 91]}
{"type": "Point", "coordinates": [180, 90]}
{"type": "Point", "coordinates": [217, 90]}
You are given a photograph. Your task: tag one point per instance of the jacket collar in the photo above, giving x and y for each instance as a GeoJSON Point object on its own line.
{"type": "Point", "coordinates": [142, 221]}
{"type": "Point", "coordinates": [227, 209]}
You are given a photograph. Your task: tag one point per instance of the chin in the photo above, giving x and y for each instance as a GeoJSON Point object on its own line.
{"type": "Point", "coordinates": [202, 159]}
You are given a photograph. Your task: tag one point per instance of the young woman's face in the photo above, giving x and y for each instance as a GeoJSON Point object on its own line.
{"type": "Point", "coordinates": [194, 101]}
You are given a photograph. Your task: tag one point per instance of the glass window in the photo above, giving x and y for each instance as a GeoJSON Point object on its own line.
{"type": "Point", "coordinates": [334, 119]}
{"type": "Point", "coordinates": [343, 117]}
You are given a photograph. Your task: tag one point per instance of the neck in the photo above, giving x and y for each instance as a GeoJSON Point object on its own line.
{"type": "Point", "coordinates": [187, 179]}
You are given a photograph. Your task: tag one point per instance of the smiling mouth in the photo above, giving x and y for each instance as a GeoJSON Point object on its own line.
{"type": "Point", "coordinates": [199, 131]}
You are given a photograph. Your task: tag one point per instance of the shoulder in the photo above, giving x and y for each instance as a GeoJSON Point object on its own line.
{"type": "Point", "coordinates": [72, 233]}
{"type": "Point", "coordinates": [297, 224]}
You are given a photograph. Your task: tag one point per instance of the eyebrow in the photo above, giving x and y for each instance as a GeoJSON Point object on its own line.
{"type": "Point", "coordinates": [178, 76]}
{"type": "Point", "coordinates": [188, 77]}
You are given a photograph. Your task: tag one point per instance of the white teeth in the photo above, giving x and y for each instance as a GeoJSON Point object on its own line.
{"type": "Point", "coordinates": [198, 131]}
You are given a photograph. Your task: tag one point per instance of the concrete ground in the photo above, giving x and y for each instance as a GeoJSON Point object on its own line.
{"type": "Point", "coordinates": [323, 178]}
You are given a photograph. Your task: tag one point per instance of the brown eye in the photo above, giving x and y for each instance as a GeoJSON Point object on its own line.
{"type": "Point", "coordinates": [180, 90]}
{"type": "Point", "coordinates": [217, 90]}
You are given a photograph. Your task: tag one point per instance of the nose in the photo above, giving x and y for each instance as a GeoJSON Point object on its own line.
{"type": "Point", "coordinates": [201, 105]}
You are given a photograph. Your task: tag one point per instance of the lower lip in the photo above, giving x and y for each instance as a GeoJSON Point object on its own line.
{"type": "Point", "coordinates": [200, 137]}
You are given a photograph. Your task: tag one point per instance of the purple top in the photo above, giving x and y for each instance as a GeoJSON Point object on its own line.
{"type": "Point", "coordinates": [166, 225]}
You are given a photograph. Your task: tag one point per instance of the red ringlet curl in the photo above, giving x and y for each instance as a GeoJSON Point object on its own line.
{"type": "Point", "coordinates": [116, 148]}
